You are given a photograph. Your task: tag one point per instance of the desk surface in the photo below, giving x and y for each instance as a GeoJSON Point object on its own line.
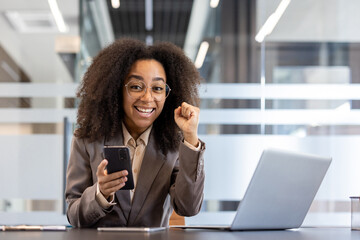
{"type": "Point", "coordinates": [177, 234]}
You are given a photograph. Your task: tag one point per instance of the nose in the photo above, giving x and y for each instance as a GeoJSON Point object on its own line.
{"type": "Point", "coordinates": [147, 97]}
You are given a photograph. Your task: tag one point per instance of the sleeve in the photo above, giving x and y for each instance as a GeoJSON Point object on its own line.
{"type": "Point", "coordinates": [104, 203]}
{"type": "Point", "coordinates": [193, 147]}
{"type": "Point", "coordinates": [187, 181]}
{"type": "Point", "coordinates": [83, 209]}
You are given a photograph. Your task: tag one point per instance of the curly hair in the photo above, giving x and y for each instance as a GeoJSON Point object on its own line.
{"type": "Point", "coordinates": [100, 112]}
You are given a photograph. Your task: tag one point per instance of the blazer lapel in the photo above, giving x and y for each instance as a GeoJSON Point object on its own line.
{"type": "Point", "coordinates": [123, 196]}
{"type": "Point", "coordinates": [150, 167]}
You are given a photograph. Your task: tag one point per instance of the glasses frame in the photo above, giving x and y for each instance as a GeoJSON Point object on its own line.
{"type": "Point", "coordinates": [167, 91]}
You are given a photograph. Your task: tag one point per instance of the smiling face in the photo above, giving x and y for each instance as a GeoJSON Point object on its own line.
{"type": "Point", "coordinates": [141, 113]}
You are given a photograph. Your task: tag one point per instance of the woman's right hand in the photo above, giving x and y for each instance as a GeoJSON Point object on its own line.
{"type": "Point", "coordinates": [110, 183]}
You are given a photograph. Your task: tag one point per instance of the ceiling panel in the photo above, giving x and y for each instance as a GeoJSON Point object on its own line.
{"type": "Point", "coordinates": [170, 20]}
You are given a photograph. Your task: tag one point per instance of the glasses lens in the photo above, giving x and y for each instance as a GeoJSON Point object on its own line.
{"type": "Point", "coordinates": [158, 90]}
{"type": "Point", "coordinates": [136, 89]}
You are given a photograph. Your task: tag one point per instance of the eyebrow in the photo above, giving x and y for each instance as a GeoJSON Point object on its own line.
{"type": "Point", "coordinates": [142, 79]}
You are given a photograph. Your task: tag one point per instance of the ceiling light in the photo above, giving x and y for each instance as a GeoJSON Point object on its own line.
{"type": "Point", "coordinates": [115, 3]}
{"type": "Point", "coordinates": [214, 3]}
{"type": "Point", "coordinates": [149, 40]}
{"type": "Point", "coordinates": [32, 21]}
{"type": "Point", "coordinates": [148, 15]}
{"type": "Point", "coordinates": [271, 22]}
{"type": "Point", "coordinates": [57, 16]}
{"type": "Point", "coordinates": [204, 46]}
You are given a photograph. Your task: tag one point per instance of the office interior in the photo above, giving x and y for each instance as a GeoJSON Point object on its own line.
{"type": "Point", "coordinates": [276, 74]}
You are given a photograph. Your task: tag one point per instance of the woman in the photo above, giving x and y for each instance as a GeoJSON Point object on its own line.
{"type": "Point", "coordinates": [143, 97]}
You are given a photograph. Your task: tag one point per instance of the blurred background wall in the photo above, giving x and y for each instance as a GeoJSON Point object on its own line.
{"type": "Point", "coordinates": [277, 73]}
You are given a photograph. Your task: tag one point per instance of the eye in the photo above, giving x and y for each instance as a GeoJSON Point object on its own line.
{"type": "Point", "coordinates": [135, 86]}
{"type": "Point", "coordinates": [158, 89]}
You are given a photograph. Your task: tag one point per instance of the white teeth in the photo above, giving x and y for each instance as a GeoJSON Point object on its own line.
{"type": "Point", "coordinates": [145, 110]}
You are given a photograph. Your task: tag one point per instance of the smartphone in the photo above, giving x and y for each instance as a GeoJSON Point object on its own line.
{"type": "Point", "coordinates": [119, 159]}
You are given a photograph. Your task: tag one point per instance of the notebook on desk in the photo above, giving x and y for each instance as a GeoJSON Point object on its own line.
{"type": "Point", "coordinates": [280, 192]}
{"type": "Point", "coordinates": [131, 229]}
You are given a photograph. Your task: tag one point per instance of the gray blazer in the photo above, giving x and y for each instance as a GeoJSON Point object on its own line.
{"type": "Point", "coordinates": [166, 182]}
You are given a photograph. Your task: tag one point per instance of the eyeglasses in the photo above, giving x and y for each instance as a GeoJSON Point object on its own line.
{"type": "Point", "coordinates": [159, 90]}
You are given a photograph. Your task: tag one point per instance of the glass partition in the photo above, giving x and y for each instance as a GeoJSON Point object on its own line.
{"type": "Point", "coordinates": [37, 107]}
{"type": "Point", "coordinates": [295, 89]}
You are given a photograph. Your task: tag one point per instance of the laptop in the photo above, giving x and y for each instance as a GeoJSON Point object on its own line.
{"type": "Point", "coordinates": [280, 192]}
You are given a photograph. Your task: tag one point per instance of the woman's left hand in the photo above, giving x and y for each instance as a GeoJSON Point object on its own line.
{"type": "Point", "coordinates": [187, 118]}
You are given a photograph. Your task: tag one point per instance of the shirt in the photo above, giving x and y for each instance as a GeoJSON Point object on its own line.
{"type": "Point", "coordinates": [137, 151]}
